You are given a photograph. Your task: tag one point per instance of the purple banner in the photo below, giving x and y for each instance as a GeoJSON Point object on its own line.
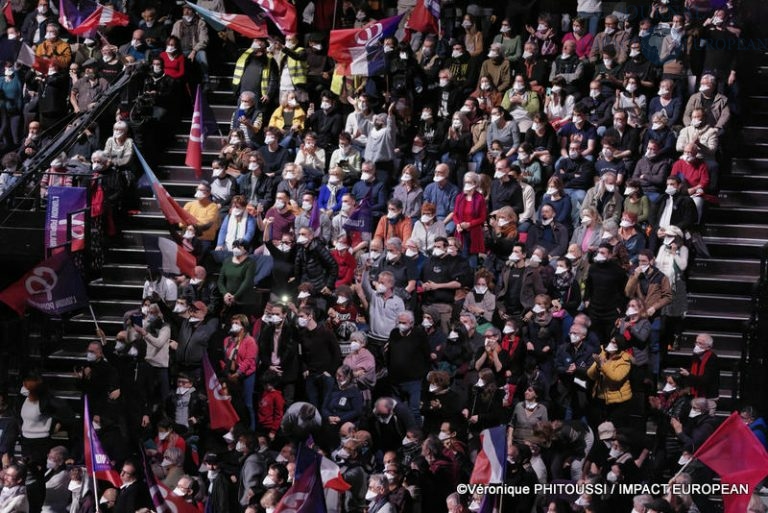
{"type": "Point", "coordinates": [61, 202]}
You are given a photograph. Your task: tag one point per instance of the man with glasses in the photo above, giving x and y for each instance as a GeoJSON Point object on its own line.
{"type": "Point", "coordinates": [611, 36]}
{"type": "Point", "coordinates": [134, 494]}
{"type": "Point", "coordinates": [14, 494]}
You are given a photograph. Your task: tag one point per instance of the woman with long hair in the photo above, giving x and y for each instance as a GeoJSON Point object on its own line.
{"type": "Point", "coordinates": [239, 364]}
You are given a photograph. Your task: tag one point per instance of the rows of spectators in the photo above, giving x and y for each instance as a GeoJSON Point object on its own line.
{"type": "Point", "coordinates": [496, 230]}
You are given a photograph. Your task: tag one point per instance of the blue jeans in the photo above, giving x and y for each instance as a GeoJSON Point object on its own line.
{"type": "Point", "coordinates": [577, 197]}
{"type": "Point", "coordinates": [248, 384]}
{"type": "Point", "coordinates": [317, 387]}
{"type": "Point", "coordinates": [653, 197]}
{"type": "Point", "coordinates": [592, 19]}
{"type": "Point", "coordinates": [409, 392]}
{"type": "Point", "coordinates": [653, 346]}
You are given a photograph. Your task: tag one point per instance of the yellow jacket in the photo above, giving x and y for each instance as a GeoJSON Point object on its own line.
{"type": "Point", "coordinates": [299, 116]}
{"type": "Point", "coordinates": [612, 379]}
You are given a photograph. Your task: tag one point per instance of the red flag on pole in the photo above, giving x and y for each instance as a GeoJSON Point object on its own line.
{"type": "Point", "coordinates": [281, 12]}
{"type": "Point", "coordinates": [735, 453]}
{"type": "Point", "coordinates": [103, 16]}
{"type": "Point", "coordinates": [96, 460]}
{"type": "Point", "coordinates": [8, 13]}
{"type": "Point", "coordinates": [195, 144]}
{"type": "Point", "coordinates": [169, 207]}
{"type": "Point", "coordinates": [425, 17]}
{"type": "Point", "coordinates": [222, 413]}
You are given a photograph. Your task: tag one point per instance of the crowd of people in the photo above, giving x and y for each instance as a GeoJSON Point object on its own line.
{"type": "Point", "coordinates": [494, 231]}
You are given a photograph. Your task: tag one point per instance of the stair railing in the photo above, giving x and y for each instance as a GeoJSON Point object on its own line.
{"type": "Point", "coordinates": [752, 377]}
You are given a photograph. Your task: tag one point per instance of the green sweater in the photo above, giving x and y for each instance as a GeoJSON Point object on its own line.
{"type": "Point", "coordinates": [237, 279]}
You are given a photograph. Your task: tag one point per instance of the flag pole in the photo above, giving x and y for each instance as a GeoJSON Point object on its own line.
{"type": "Point", "coordinates": [335, 7]}
{"type": "Point", "coordinates": [89, 433]}
{"type": "Point", "coordinates": [93, 316]}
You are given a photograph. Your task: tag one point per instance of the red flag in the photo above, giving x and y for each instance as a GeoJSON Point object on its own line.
{"type": "Point", "coordinates": [8, 13]}
{"type": "Point", "coordinates": [170, 209]}
{"type": "Point", "coordinates": [222, 413]}
{"type": "Point", "coordinates": [195, 144]}
{"type": "Point", "coordinates": [425, 17]}
{"type": "Point", "coordinates": [282, 12]}
{"type": "Point", "coordinates": [103, 16]}
{"type": "Point", "coordinates": [735, 453]}
{"type": "Point", "coordinates": [96, 460]}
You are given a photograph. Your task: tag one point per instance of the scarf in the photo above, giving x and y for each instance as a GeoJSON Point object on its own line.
{"type": "Point", "coordinates": [235, 229]}
{"type": "Point", "coordinates": [697, 369]}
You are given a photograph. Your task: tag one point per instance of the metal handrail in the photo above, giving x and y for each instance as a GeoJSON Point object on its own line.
{"type": "Point", "coordinates": [752, 358]}
{"type": "Point", "coordinates": [38, 164]}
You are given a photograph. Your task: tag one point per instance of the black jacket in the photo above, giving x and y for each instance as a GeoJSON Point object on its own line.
{"type": "Point", "coordinates": [408, 355]}
{"type": "Point", "coordinates": [684, 213]}
{"type": "Point", "coordinates": [194, 341]}
{"type": "Point", "coordinates": [315, 264]}
{"type": "Point", "coordinates": [286, 350]}
{"type": "Point", "coordinates": [605, 290]}
{"type": "Point", "coordinates": [133, 497]}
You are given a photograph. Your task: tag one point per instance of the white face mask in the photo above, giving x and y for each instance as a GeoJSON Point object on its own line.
{"type": "Point", "coordinates": [438, 252]}
{"type": "Point", "coordinates": [668, 387]}
{"type": "Point", "coordinates": [162, 435]}
{"type": "Point", "coordinates": [355, 347]}
{"type": "Point", "coordinates": [694, 413]}
{"type": "Point", "coordinates": [561, 270]}
{"type": "Point", "coordinates": [631, 311]}
{"type": "Point", "coordinates": [527, 54]}
{"type": "Point", "coordinates": [170, 49]}
{"type": "Point", "coordinates": [586, 220]}
{"type": "Point", "coordinates": [698, 350]}
{"type": "Point", "coordinates": [410, 252]}
{"type": "Point", "coordinates": [370, 495]}
{"type": "Point", "coordinates": [671, 189]}
{"type": "Point", "coordinates": [325, 105]}
{"type": "Point", "coordinates": [600, 258]}
{"type": "Point", "coordinates": [481, 289]}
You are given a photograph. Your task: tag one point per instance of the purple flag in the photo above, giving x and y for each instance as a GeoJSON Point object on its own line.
{"type": "Point", "coordinates": [71, 15]}
{"type": "Point", "coordinates": [360, 218]}
{"type": "Point", "coordinates": [306, 494]}
{"type": "Point", "coordinates": [53, 286]}
{"type": "Point", "coordinates": [63, 201]}
{"type": "Point", "coordinates": [96, 460]}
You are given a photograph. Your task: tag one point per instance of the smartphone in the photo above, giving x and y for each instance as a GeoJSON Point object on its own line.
{"type": "Point", "coordinates": [137, 320]}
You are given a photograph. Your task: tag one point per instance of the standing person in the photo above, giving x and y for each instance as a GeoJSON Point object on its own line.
{"type": "Point", "coordinates": [383, 308]}
{"type": "Point", "coordinates": [277, 350]}
{"type": "Point", "coordinates": [239, 365]}
{"type": "Point", "coordinates": [320, 356]}
{"type": "Point", "coordinates": [192, 340]}
{"type": "Point", "coordinates": [236, 280]}
{"type": "Point", "coordinates": [314, 263]}
{"type": "Point", "coordinates": [470, 214]}
{"type": "Point", "coordinates": [157, 335]}
{"type": "Point", "coordinates": [604, 291]}
{"type": "Point", "coordinates": [408, 360]}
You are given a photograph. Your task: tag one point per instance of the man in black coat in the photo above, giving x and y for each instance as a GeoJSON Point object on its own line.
{"type": "Point", "coordinates": [675, 207]}
{"type": "Point", "coordinates": [604, 292]}
{"type": "Point", "coordinates": [408, 361]}
{"type": "Point", "coordinates": [390, 423]}
{"type": "Point", "coordinates": [134, 494]}
{"type": "Point", "coordinates": [519, 474]}
{"type": "Point", "coordinates": [277, 349]}
{"type": "Point", "coordinates": [314, 263]}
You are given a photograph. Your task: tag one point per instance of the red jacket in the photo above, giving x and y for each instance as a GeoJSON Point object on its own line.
{"type": "Point", "coordinates": [694, 174]}
{"type": "Point", "coordinates": [476, 221]}
{"type": "Point", "coordinates": [247, 354]}
{"type": "Point", "coordinates": [270, 411]}
{"type": "Point", "coordinates": [347, 264]}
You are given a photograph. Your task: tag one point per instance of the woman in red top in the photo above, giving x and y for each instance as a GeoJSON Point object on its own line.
{"type": "Point", "coordinates": [173, 59]}
{"type": "Point", "coordinates": [469, 215]}
{"type": "Point", "coordinates": [239, 365]}
{"type": "Point", "coordinates": [344, 260]}
{"type": "Point", "coordinates": [271, 405]}
{"type": "Point", "coordinates": [694, 173]}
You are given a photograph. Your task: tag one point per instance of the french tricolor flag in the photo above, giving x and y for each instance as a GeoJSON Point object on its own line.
{"type": "Point", "coordinates": [330, 473]}
{"type": "Point", "coordinates": [491, 460]}
{"type": "Point", "coordinates": [103, 16]}
{"type": "Point", "coordinates": [361, 50]}
{"type": "Point", "coordinates": [163, 253]}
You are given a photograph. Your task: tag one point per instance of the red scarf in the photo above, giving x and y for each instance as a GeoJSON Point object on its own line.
{"type": "Point", "coordinates": [697, 369]}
